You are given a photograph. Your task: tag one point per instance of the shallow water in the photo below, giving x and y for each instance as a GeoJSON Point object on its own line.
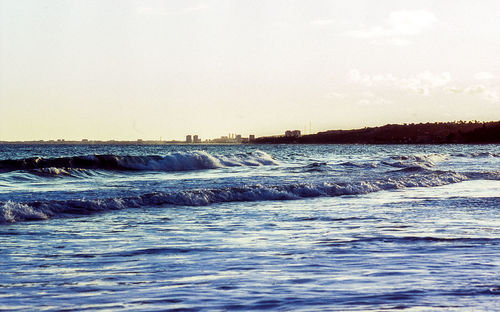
{"type": "Point", "coordinates": [338, 228]}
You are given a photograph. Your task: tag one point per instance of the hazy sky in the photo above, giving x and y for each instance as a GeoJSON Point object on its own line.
{"type": "Point", "coordinates": [148, 69]}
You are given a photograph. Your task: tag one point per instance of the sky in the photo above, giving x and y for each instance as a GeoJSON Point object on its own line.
{"type": "Point", "coordinates": [124, 69]}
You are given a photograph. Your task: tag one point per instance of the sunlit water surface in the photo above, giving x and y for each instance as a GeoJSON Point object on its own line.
{"type": "Point", "coordinates": [335, 227]}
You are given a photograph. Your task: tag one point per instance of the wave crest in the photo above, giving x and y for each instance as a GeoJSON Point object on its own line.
{"type": "Point", "coordinates": [39, 210]}
{"type": "Point", "coordinates": [178, 161]}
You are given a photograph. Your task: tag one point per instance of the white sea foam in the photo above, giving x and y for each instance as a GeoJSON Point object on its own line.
{"type": "Point", "coordinates": [256, 158]}
{"type": "Point", "coordinates": [176, 161]}
{"type": "Point", "coordinates": [423, 161]}
{"type": "Point", "coordinates": [477, 155]}
{"type": "Point", "coordinates": [171, 162]}
{"type": "Point", "coordinates": [53, 171]}
{"type": "Point", "coordinates": [194, 160]}
{"type": "Point", "coordinates": [13, 212]}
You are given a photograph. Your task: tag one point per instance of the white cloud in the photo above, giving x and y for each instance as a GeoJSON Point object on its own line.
{"type": "Point", "coordinates": [475, 89]}
{"type": "Point", "coordinates": [357, 77]}
{"type": "Point", "coordinates": [336, 95]}
{"type": "Point", "coordinates": [434, 90]}
{"type": "Point", "coordinates": [373, 100]}
{"type": "Point", "coordinates": [401, 42]}
{"type": "Point", "coordinates": [369, 80]}
{"type": "Point", "coordinates": [410, 22]}
{"type": "Point", "coordinates": [453, 90]}
{"type": "Point", "coordinates": [424, 82]}
{"type": "Point", "coordinates": [164, 12]}
{"type": "Point", "coordinates": [145, 10]}
{"type": "Point", "coordinates": [421, 83]}
{"type": "Point", "coordinates": [321, 22]}
{"type": "Point", "coordinates": [488, 93]}
{"type": "Point", "coordinates": [397, 25]}
{"type": "Point", "coordinates": [484, 76]}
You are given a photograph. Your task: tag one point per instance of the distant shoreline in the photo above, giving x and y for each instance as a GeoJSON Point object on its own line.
{"type": "Point", "coordinates": [110, 143]}
{"type": "Point", "coordinates": [422, 133]}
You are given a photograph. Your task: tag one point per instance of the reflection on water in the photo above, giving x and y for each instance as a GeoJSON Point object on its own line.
{"type": "Point", "coordinates": [418, 244]}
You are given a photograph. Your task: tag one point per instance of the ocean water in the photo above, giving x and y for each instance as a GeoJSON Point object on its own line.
{"type": "Point", "coordinates": [250, 227]}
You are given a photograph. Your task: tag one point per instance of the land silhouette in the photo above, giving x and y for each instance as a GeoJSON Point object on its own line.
{"type": "Point", "coordinates": [458, 132]}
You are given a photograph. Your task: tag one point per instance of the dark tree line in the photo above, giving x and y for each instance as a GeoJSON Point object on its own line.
{"type": "Point", "coordinates": [423, 133]}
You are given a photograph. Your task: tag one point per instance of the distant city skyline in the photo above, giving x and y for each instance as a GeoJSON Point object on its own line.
{"type": "Point", "coordinates": [125, 70]}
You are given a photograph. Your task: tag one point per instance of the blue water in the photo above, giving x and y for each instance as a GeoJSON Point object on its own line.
{"type": "Point", "coordinates": [250, 227]}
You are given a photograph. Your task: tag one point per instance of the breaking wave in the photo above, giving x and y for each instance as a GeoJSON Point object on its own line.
{"type": "Point", "coordinates": [423, 161]}
{"type": "Point", "coordinates": [486, 175]}
{"type": "Point", "coordinates": [368, 165]}
{"type": "Point", "coordinates": [11, 212]}
{"type": "Point", "coordinates": [477, 155]}
{"type": "Point", "coordinates": [178, 161]}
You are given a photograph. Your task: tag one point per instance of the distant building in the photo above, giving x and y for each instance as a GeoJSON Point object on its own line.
{"type": "Point", "coordinates": [251, 137]}
{"type": "Point", "coordinates": [196, 139]}
{"type": "Point", "coordinates": [292, 133]}
{"type": "Point", "coordinates": [189, 139]}
{"type": "Point", "coordinates": [238, 138]}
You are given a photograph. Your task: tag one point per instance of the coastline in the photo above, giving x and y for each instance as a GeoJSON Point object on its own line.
{"type": "Point", "coordinates": [422, 133]}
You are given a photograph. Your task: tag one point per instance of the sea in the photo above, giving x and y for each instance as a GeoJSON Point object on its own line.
{"type": "Point", "coordinates": [249, 227]}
